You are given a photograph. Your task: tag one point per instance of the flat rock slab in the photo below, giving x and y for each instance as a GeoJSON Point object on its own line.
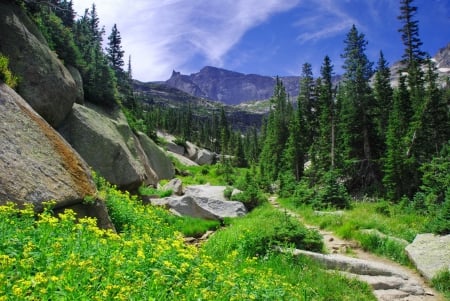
{"type": "Point", "coordinates": [430, 254]}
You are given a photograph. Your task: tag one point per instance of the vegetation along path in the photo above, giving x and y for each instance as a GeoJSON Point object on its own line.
{"type": "Point", "coordinates": [389, 280]}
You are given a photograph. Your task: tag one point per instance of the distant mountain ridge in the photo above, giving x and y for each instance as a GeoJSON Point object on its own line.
{"type": "Point", "coordinates": [233, 88]}
{"type": "Point", "coordinates": [230, 87]}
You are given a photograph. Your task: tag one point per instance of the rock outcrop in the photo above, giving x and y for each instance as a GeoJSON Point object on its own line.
{"type": "Point", "coordinates": [44, 81]}
{"type": "Point", "coordinates": [430, 254]}
{"type": "Point", "coordinates": [192, 152]}
{"type": "Point", "coordinates": [158, 160]}
{"type": "Point", "coordinates": [175, 185]}
{"type": "Point", "coordinates": [107, 143]}
{"type": "Point", "coordinates": [36, 163]}
{"type": "Point", "coordinates": [203, 201]}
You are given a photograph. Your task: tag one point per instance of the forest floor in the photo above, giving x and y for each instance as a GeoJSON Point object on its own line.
{"type": "Point", "coordinates": [389, 280]}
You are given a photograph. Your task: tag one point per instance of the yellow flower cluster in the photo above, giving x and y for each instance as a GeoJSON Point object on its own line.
{"type": "Point", "coordinates": [61, 258]}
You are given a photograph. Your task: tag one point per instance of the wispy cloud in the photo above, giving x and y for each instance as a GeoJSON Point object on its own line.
{"type": "Point", "coordinates": [323, 19]}
{"type": "Point", "coordinates": [162, 35]}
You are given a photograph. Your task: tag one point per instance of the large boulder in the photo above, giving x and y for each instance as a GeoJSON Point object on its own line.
{"type": "Point", "coordinates": [105, 140]}
{"type": "Point", "coordinates": [36, 163]}
{"type": "Point", "coordinates": [157, 158]}
{"type": "Point", "coordinates": [203, 201]}
{"type": "Point", "coordinates": [44, 81]}
{"type": "Point", "coordinates": [205, 157]}
{"type": "Point", "coordinates": [430, 254]}
{"type": "Point", "coordinates": [175, 185]}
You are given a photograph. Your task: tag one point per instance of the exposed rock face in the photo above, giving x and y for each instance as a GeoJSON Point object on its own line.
{"type": "Point", "coordinates": [430, 254]}
{"type": "Point", "coordinates": [157, 159]}
{"type": "Point", "coordinates": [190, 151]}
{"type": "Point", "coordinates": [36, 163]}
{"type": "Point", "coordinates": [203, 201]}
{"type": "Point", "coordinates": [45, 83]}
{"type": "Point", "coordinates": [106, 142]}
{"type": "Point", "coordinates": [228, 86]}
{"type": "Point", "coordinates": [76, 75]}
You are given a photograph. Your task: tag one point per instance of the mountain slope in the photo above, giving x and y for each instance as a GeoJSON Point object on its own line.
{"type": "Point", "coordinates": [163, 95]}
{"type": "Point", "coordinates": [230, 87]}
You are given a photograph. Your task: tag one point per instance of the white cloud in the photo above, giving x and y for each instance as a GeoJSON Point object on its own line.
{"type": "Point", "coordinates": [168, 34]}
{"type": "Point", "coordinates": [324, 20]}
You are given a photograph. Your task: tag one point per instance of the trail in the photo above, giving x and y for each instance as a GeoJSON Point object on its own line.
{"type": "Point", "coordinates": [389, 280]}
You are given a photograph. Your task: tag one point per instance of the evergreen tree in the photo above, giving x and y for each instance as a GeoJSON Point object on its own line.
{"type": "Point", "coordinates": [115, 52]}
{"type": "Point", "coordinates": [307, 104]}
{"type": "Point", "coordinates": [383, 94]}
{"type": "Point", "coordinates": [410, 34]}
{"type": "Point", "coordinates": [276, 134]}
{"type": "Point", "coordinates": [356, 115]}
{"type": "Point", "coordinates": [99, 81]}
{"type": "Point", "coordinates": [398, 173]}
{"type": "Point", "coordinates": [325, 142]}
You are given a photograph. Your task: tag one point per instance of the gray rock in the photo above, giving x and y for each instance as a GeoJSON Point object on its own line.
{"type": "Point", "coordinates": [175, 185]}
{"type": "Point", "coordinates": [44, 81]}
{"type": "Point", "coordinates": [107, 143]}
{"type": "Point", "coordinates": [192, 151]}
{"type": "Point", "coordinates": [430, 254]}
{"type": "Point", "coordinates": [175, 148]}
{"type": "Point", "coordinates": [36, 163]}
{"type": "Point", "coordinates": [157, 158]}
{"type": "Point", "coordinates": [182, 159]}
{"type": "Point", "coordinates": [203, 201]}
{"type": "Point", "coordinates": [205, 157]}
{"type": "Point", "coordinates": [79, 84]}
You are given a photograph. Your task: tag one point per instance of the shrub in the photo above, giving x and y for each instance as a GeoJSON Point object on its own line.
{"type": "Point", "coordinates": [252, 197]}
{"type": "Point", "coordinates": [5, 74]}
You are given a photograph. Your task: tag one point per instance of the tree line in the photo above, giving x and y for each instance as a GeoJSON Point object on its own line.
{"type": "Point", "coordinates": [363, 135]}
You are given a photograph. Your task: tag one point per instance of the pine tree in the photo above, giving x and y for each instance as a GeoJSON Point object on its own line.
{"type": "Point", "coordinates": [356, 115]}
{"type": "Point", "coordinates": [275, 136]}
{"type": "Point", "coordinates": [383, 93]}
{"type": "Point", "coordinates": [307, 104]}
{"type": "Point", "coordinates": [398, 175]}
{"type": "Point", "coordinates": [410, 34]}
{"type": "Point", "coordinates": [114, 51]}
{"type": "Point", "coordinates": [325, 142]}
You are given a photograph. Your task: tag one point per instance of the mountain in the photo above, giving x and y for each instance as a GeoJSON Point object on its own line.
{"type": "Point", "coordinates": [164, 95]}
{"type": "Point", "coordinates": [441, 59]}
{"type": "Point", "coordinates": [230, 87]}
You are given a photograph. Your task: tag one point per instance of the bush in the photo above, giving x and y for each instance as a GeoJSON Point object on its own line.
{"type": "Point", "coordinates": [252, 197]}
{"type": "Point", "coordinates": [5, 74]}
{"type": "Point", "coordinates": [260, 231]}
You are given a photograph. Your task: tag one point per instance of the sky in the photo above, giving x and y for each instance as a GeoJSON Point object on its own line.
{"type": "Point", "coordinates": [267, 37]}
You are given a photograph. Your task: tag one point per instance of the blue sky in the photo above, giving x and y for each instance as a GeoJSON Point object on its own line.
{"type": "Point", "coordinates": [268, 37]}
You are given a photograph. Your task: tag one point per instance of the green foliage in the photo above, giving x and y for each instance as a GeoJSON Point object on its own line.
{"type": "Point", "coordinates": [384, 246]}
{"type": "Point", "coordinates": [333, 193]}
{"type": "Point", "coordinates": [5, 74]}
{"type": "Point", "coordinates": [390, 219]}
{"type": "Point", "coordinates": [150, 191]}
{"type": "Point", "coordinates": [442, 282]}
{"type": "Point", "coordinates": [260, 231]}
{"type": "Point", "coordinates": [252, 197]}
{"type": "Point", "coordinates": [59, 37]}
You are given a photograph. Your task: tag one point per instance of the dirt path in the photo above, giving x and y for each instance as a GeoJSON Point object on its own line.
{"type": "Point", "coordinates": [389, 280]}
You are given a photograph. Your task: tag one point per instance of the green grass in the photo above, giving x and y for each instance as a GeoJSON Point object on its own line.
{"type": "Point", "coordinates": [150, 191]}
{"type": "Point", "coordinates": [253, 237]}
{"type": "Point", "coordinates": [442, 283]}
{"type": "Point", "coordinates": [191, 226]}
{"type": "Point", "coordinates": [386, 218]}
